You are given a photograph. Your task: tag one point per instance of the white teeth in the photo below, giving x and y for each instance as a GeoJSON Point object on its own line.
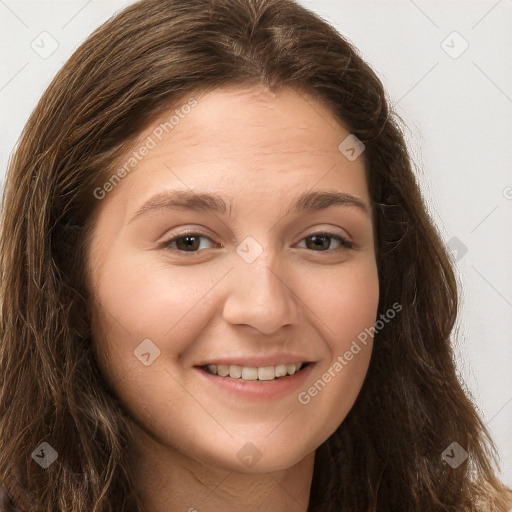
{"type": "Point", "coordinates": [251, 373]}
{"type": "Point", "coordinates": [266, 373]}
{"type": "Point", "coordinates": [223, 370]}
{"type": "Point", "coordinates": [280, 370]}
{"type": "Point", "coordinates": [290, 369]}
{"type": "Point", "coordinates": [235, 371]}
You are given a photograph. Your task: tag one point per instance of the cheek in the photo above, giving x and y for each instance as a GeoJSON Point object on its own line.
{"type": "Point", "coordinates": [146, 298]}
{"type": "Point", "coordinates": [141, 298]}
{"type": "Point", "coordinates": [347, 309]}
{"type": "Point", "coordinates": [346, 302]}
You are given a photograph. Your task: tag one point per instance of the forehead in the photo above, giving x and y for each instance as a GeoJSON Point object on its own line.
{"type": "Point", "coordinates": [256, 119]}
{"type": "Point", "coordinates": [248, 128]}
{"type": "Point", "coordinates": [251, 142]}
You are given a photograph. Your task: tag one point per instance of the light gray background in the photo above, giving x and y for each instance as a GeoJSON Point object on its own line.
{"type": "Point", "coordinates": [458, 110]}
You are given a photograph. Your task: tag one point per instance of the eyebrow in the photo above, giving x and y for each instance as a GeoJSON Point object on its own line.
{"type": "Point", "coordinates": [209, 202]}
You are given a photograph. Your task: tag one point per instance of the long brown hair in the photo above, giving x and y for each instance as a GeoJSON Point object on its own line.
{"type": "Point", "coordinates": [386, 455]}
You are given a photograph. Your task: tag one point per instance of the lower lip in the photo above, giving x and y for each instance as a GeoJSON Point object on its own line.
{"type": "Point", "coordinates": [264, 389]}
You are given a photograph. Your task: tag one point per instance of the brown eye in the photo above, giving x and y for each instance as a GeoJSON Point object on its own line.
{"type": "Point", "coordinates": [320, 242]}
{"type": "Point", "coordinates": [188, 242]}
{"type": "Point", "coordinates": [317, 242]}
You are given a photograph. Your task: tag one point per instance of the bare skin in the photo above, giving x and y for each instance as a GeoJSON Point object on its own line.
{"type": "Point", "coordinates": [284, 297]}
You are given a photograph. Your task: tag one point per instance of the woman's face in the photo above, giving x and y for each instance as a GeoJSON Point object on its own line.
{"type": "Point", "coordinates": [211, 251]}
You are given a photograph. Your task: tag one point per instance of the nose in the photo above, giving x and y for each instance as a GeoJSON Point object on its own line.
{"type": "Point", "coordinates": [261, 296]}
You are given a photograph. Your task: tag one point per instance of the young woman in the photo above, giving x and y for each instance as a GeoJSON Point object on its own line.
{"type": "Point", "coordinates": [220, 289]}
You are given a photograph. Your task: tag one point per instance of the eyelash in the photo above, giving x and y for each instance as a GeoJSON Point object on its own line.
{"type": "Point", "coordinates": [344, 243]}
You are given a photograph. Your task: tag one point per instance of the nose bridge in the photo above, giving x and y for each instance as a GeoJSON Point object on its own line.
{"type": "Point", "coordinates": [258, 294]}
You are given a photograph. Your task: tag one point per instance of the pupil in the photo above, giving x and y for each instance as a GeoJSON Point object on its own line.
{"type": "Point", "coordinates": [189, 245]}
{"type": "Point", "coordinates": [190, 242]}
{"type": "Point", "coordinates": [322, 237]}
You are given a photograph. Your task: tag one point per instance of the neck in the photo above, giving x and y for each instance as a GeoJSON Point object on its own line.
{"type": "Point", "coordinates": [166, 479]}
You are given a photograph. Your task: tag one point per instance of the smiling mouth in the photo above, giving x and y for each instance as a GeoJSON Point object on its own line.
{"type": "Point", "coordinates": [251, 373]}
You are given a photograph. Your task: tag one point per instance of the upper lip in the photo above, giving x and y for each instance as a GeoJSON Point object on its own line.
{"type": "Point", "coordinates": [256, 361]}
